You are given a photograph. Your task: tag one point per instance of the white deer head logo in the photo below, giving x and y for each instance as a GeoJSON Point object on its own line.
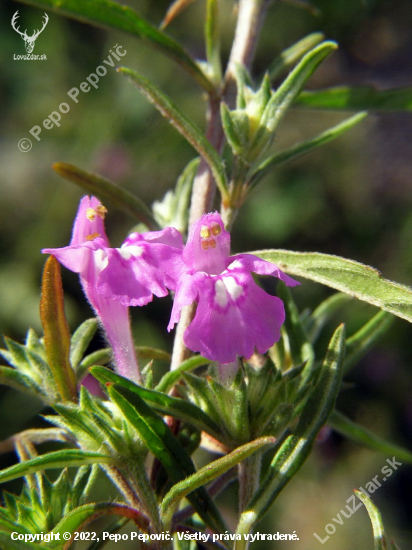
{"type": "Point", "coordinates": [28, 40]}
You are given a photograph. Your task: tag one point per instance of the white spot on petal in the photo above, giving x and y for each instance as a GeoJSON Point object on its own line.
{"type": "Point", "coordinates": [234, 289]}
{"type": "Point", "coordinates": [100, 260]}
{"type": "Point", "coordinates": [221, 296]}
{"type": "Point", "coordinates": [128, 252]}
{"type": "Point", "coordinates": [227, 289]}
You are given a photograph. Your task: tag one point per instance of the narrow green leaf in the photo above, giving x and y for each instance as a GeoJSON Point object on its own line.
{"type": "Point", "coordinates": [358, 434]}
{"type": "Point", "coordinates": [56, 330]}
{"type": "Point", "coordinates": [376, 520]}
{"type": "Point", "coordinates": [20, 382]}
{"type": "Point", "coordinates": [303, 147]}
{"type": "Point", "coordinates": [359, 280]}
{"type": "Point", "coordinates": [188, 130]}
{"type": "Point", "coordinates": [213, 40]}
{"type": "Point", "coordinates": [357, 98]}
{"type": "Point", "coordinates": [161, 402]}
{"type": "Point", "coordinates": [293, 452]}
{"type": "Point", "coordinates": [6, 523]}
{"type": "Point", "coordinates": [105, 189]}
{"type": "Point", "coordinates": [207, 474]}
{"type": "Point", "coordinates": [361, 342]}
{"type": "Point", "coordinates": [163, 444]}
{"type": "Point", "coordinates": [6, 542]}
{"type": "Point", "coordinates": [288, 91]}
{"type": "Point", "coordinates": [81, 340]}
{"type": "Point", "coordinates": [118, 16]}
{"type": "Point", "coordinates": [99, 357]}
{"type": "Point", "coordinates": [56, 459]}
{"type": "Point", "coordinates": [380, 540]}
{"type": "Point", "coordinates": [16, 355]}
{"type": "Point", "coordinates": [292, 54]}
{"type": "Point", "coordinates": [170, 378]}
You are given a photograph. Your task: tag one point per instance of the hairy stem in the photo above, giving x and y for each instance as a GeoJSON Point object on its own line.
{"type": "Point", "coordinates": [122, 485]}
{"type": "Point", "coordinates": [249, 24]}
{"type": "Point", "coordinates": [249, 474]}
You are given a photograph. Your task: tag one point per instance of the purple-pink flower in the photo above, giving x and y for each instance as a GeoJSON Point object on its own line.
{"type": "Point", "coordinates": [234, 316]}
{"type": "Point", "coordinates": [115, 278]}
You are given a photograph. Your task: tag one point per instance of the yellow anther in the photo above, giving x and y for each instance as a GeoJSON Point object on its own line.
{"type": "Point", "coordinates": [101, 211]}
{"type": "Point", "coordinates": [212, 243]}
{"type": "Point", "coordinates": [92, 236]}
{"type": "Point", "coordinates": [216, 229]}
{"type": "Point", "coordinates": [91, 214]}
{"type": "Point", "coordinates": [205, 232]}
{"type": "Point", "coordinates": [205, 245]}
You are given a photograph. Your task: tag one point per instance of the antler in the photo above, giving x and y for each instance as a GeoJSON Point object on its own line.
{"type": "Point", "coordinates": [13, 21]}
{"type": "Point", "coordinates": [36, 33]}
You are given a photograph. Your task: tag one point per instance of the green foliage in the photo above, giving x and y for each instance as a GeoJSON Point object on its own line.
{"type": "Point", "coordinates": [161, 402]}
{"type": "Point", "coordinates": [358, 280]}
{"type": "Point", "coordinates": [362, 436]}
{"type": "Point", "coordinates": [208, 473]}
{"type": "Point", "coordinates": [163, 444]}
{"type": "Point", "coordinates": [98, 426]}
{"type": "Point", "coordinates": [380, 540]}
{"type": "Point", "coordinates": [183, 125]}
{"type": "Point", "coordinates": [101, 187]}
{"type": "Point", "coordinates": [56, 459]}
{"type": "Point", "coordinates": [29, 371]}
{"type": "Point", "coordinates": [293, 451]}
{"type": "Point", "coordinates": [55, 508]}
{"type": "Point", "coordinates": [363, 97]}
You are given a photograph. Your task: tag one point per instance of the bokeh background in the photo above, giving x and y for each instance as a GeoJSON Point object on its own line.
{"type": "Point", "coordinates": [352, 197]}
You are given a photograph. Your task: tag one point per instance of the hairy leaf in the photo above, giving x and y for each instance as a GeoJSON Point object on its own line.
{"type": "Point", "coordinates": [164, 445]}
{"type": "Point", "coordinates": [162, 402]}
{"type": "Point", "coordinates": [105, 189]}
{"type": "Point", "coordinates": [56, 459]}
{"type": "Point", "coordinates": [189, 131]}
{"type": "Point", "coordinates": [359, 280]}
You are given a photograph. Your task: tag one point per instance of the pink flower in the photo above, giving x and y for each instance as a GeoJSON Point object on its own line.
{"type": "Point", "coordinates": [234, 316]}
{"type": "Point", "coordinates": [115, 278]}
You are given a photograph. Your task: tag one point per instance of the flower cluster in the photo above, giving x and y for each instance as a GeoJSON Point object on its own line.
{"type": "Point", "coordinates": [234, 316]}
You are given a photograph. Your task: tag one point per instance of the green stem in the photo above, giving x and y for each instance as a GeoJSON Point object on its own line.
{"type": "Point", "coordinates": [146, 495]}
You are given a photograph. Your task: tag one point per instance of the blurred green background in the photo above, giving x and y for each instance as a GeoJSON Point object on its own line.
{"type": "Point", "coordinates": [352, 197]}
